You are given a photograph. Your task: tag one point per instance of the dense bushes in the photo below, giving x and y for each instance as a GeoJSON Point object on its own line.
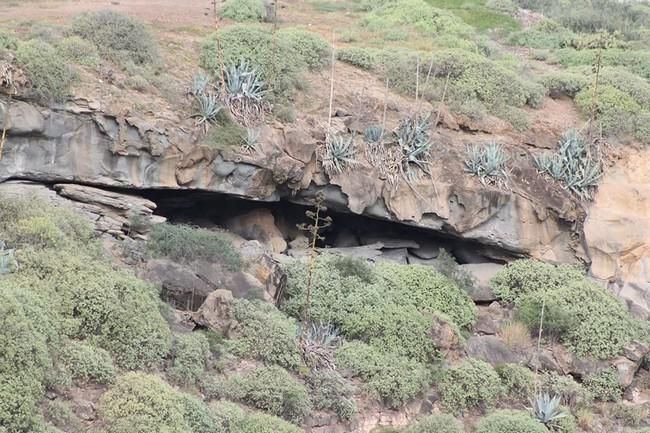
{"type": "Point", "coordinates": [118, 36]}
{"type": "Point", "coordinates": [389, 306]}
{"type": "Point", "coordinates": [187, 243]}
{"type": "Point", "coordinates": [243, 10]}
{"type": "Point", "coordinates": [87, 363]}
{"type": "Point", "coordinates": [279, 62]}
{"type": "Point", "coordinates": [471, 385]}
{"type": "Point", "coordinates": [51, 79]}
{"type": "Point", "coordinates": [190, 354]}
{"type": "Point", "coordinates": [391, 378]}
{"type": "Point", "coordinates": [436, 424]}
{"type": "Point", "coordinates": [519, 382]}
{"type": "Point", "coordinates": [614, 109]}
{"type": "Point", "coordinates": [74, 49]}
{"type": "Point", "coordinates": [331, 391]}
{"type": "Point", "coordinates": [234, 419]}
{"type": "Point", "coordinates": [271, 389]}
{"type": "Point", "coordinates": [510, 421]}
{"type": "Point", "coordinates": [262, 332]}
{"type": "Point", "coordinates": [603, 385]}
{"type": "Point", "coordinates": [588, 319]}
{"type": "Point", "coordinates": [143, 403]}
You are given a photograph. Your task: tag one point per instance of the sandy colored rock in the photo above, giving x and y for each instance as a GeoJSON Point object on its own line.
{"type": "Point", "coordinates": [259, 224]}
{"type": "Point", "coordinates": [216, 312]}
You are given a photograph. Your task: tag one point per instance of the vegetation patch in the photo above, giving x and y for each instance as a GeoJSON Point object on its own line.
{"type": "Point", "coordinates": [234, 419]}
{"type": "Point", "coordinates": [471, 385]}
{"type": "Point", "coordinates": [390, 378]}
{"type": "Point", "coordinates": [51, 79]}
{"type": "Point", "coordinates": [604, 385]}
{"type": "Point", "coordinates": [76, 50]}
{"type": "Point", "coordinates": [510, 421]}
{"type": "Point", "coordinates": [190, 355]}
{"type": "Point", "coordinates": [243, 10]}
{"type": "Point", "coordinates": [85, 363]}
{"type": "Point", "coordinates": [186, 243]}
{"type": "Point", "coordinates": [117, 36]}
{"type": "Point", "coordinates": [271, 389]}
{"type": "Point", "coordinates": [331, 391]}
{"type": "Point", "coordinates": [437, 424]}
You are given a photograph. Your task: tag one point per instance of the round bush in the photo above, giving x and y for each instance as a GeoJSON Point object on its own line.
{"type": "Point", "coordinates": [314, 50]}
{"type": "Point", "coordinates": [190, 354]}
{"type": "Point", "coordinates": [510, 421]}
{"type": "Point", "coordinates": [436, 424]}
{"type": "Point", "coordinates": [145, 401]}
{"type": "Point", "coordinates": [88, 363]}
{"type": "Point", "coordinates": [243, 10]}
{"type": "Point", "coordinates": [604, 385]}
{"type": "Point", "coordinates": [77, 50]}
{"type": "Point", "coordinates": [518, 381]}
{"type": "Point", "coordinates": [615, 110]}
{"type": "Point", "coordinates": [51, 79]}
{"type": "Point", "coordinates": [389, 377]}
{"type": "Point", "coordinates": [117, 35]}
{"type": "Point", "coordinates": [330, 391]}
{"type": "Point", "coordinates": [237, 420]}
{"type": "Point", "coordinates": [471, 385]}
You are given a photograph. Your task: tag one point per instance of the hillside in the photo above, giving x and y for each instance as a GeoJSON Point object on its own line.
{"type": "Point", "coordinates": [324, 216]}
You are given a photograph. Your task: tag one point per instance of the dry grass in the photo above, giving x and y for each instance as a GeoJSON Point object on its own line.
{"type": "Point", "coordinates": [585, 419]}
{"type": "Point", "coordinates": [516, 336]}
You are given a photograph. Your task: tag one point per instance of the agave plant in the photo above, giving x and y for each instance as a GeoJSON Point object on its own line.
{"type": "Point", "coordinates": [572, 164]}
{"type": "Point", "coordinates": [340, 152]}
{"type": "Point", "coordinates": [413, 138]}
{"type": "Point", "coordinates": [251, 140]}
{"type": "Point", "coordinates": [209, 107]}
{"type": "Point", "coordinates": [318, 342]}
{"type": "Point", "coordinates": [547, 409]}
{"type": "Point", "coordinates": [373, 134]}
{"type": "Point", "coordinates": [7, 259]}
{"type": "Point", "coordinates": [245, 92]}
{"type": "Point", "coordinates": [200, 83]}
{"type": "Point", "coordinates": [486, 162]}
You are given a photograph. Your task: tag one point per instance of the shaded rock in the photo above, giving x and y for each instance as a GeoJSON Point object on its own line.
{"type": "Point", "coordinates": [444, 336]}
{"type": "Point", "coordinates": [426, 250]}
{"type": "Point", "coordinates": [24, 119]}
{"type": "Point", "coordinates": [413, 260]}
{"type": "Point", "coordinates": [491, 350]}
{"type": "Point", "coordinates": [345, 238]}
{"type": "Point", "coordinates": [490, 319]}
{"type": "Point", "coordinates": [398, 255]}
{"type": "Point", "coordinates": [636, 351]}
{"type": "Point", "coordinates": [368, 252]}
{"type": "Point", "coordinates": [216, 312]}
{"type": "Point", "coordinates": [482, 274]}
{"type": "Point", "coordinates": [181, 286]}
{"type": "Point", "coordinates": [388, 242]}
{"type": "Point", "coordinates": [259, 224]}
{"type": "Point", "coordinates": [625, 370]}
{"type": "Point", "coordinates": [265, 269]}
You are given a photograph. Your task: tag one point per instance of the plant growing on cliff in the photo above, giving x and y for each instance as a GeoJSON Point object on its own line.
{"type": "Point", "coordinates": [414, 140]}
{"type": "Point", "coordinates": [487, 162]}
{"type": "Point", "coordinates": [208, 109]}
{"type": "Point", "coordinates": [339, 155]}
{"type": "Point", "coordinates": [547, 409]}
{"type": "Point", "coordinates": [575, 164]}
{"type": "Point", "coordinates": [373, 134]}
{"type": "Point", "coordinates": [245, 93]}
{"type": "Point", "coordinates": [251, 140]}
{"type": "Point", "coordinates": [471, 385]}
{"type": "Point", "coordinates": [319, 342]}
{"type": "Point", "coordinates": [199, 85]}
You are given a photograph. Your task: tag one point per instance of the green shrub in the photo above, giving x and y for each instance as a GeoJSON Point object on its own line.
{"type": "Point", "coordinates": [510, 421]}
{"type": "Point", "coordinates": [24, 360]}
{"type": "Point", "coordinates": [636, 61]}
{"type": "Point", "coordinates": [604, 385]}
{"type": "Point", "coordinates": [262, 332]}
{"type": "Point", "coordinates": [74, 49]}
{"type": "Point", "coordinates": [243, 10]}
{"type": "Point", "coordinates": [565, 424]}
{"type": "Point", "coordinates": [117, 36]}
{"type": "Point", "coordinates": [271, 389]}
{"type": "Point", "coordinates": [471, 385]}
{"type": "Point", "coordinates": [418, 15]}
{"type": "Point", "coordinates": [190, 355]}
{"type": "Point", "coordinates": [234, 419]}
{"type": "Point", "coordinates": [642, 128]}
{"type": "Point", "coordinates": [145, 401]}
{"type": "Point", "coordinates": [363, 58]}
{"type": "Point", "coordinates": [51, 79]}
{"type": "Point", "coordinates": [615, 110]}
{"type": "Point", "coordinates": [314, 50]}
{"type": "Point", "coordinates": [60, 414]}
{"type": "Point", "coordinates": [529, 276]}
{"type": "Point", "coordinates": [279, 61]}
{"type": "Point", "coordinates": [599, 324]}
{"type": "Point", "coordinates": [389, 305]}
{"type": "Point", "coordinates": [503, 6]}
{"type": "Point", "coordinates": [391, 378]}
{"type": "Point", "coordinates": [545, 34]}
{"type": "Point", "coordinates": [636, 87]}
{"type": "Point", "coordinates": [630, 415]}
{"type": "Point", "coordinates": [85, 362]}
{"type": "Point", "coordinates": [225, 133]}
{"type": "Point", "coordinates": [330, 391]}
{"type": "Point", "coordinates": [186, 243]}
{"type": "Point", "coordinates": [518, 381]}
{"type": "Point", "coordinates": [572, 393]}
{"type": "Point", "coordinates": [560, 83]}
{"type": "Point", "coordinates": [427, 289]}
{"type": "Point", "coordinates": [197, 415]}
{"type": "Point", "coordinates": [436, 424]}
{"type": "Point", "coordinates": [8, 40]}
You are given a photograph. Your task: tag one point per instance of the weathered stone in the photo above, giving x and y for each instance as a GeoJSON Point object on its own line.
{"type": "Point", "coordinates": [491, 350]}
{"type": "Point", "coordinates": [24, 119]}
{"type": "Point", "coordinates": [444, 337]}
{"type": "Point", "coordinates": [625, 369]}
{"type": "Point", "coordinates": [181, 285]}
{"type": "Point", "coordinates": [259, 224]}
{"type": "Point", "coordinates": [216, 312]}
{"type": "Point", "coordinates": [397, 255]}
{"type": "Point", "coordinates": [482, 274]}
{"type": "Point", "coordinates": [426, 249]}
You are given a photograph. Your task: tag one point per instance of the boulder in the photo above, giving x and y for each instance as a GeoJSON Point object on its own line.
{"type": "Point", "coordinates": [444, 335]}
{"type": "Point", "coordinates": [258, 224]}
{"type": "Point", "coordinates": [181, 286]}
{"type": "Point", "coordinates": [426, 250]}
{"type": "Point", "coordinates": [25, 119]}
{"type": "Point", "coordinates": [491, 350]}
{"type": "Point", "coordinates": [216, 312]}
{"type": "Point", "coordinates": [482, 274]}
